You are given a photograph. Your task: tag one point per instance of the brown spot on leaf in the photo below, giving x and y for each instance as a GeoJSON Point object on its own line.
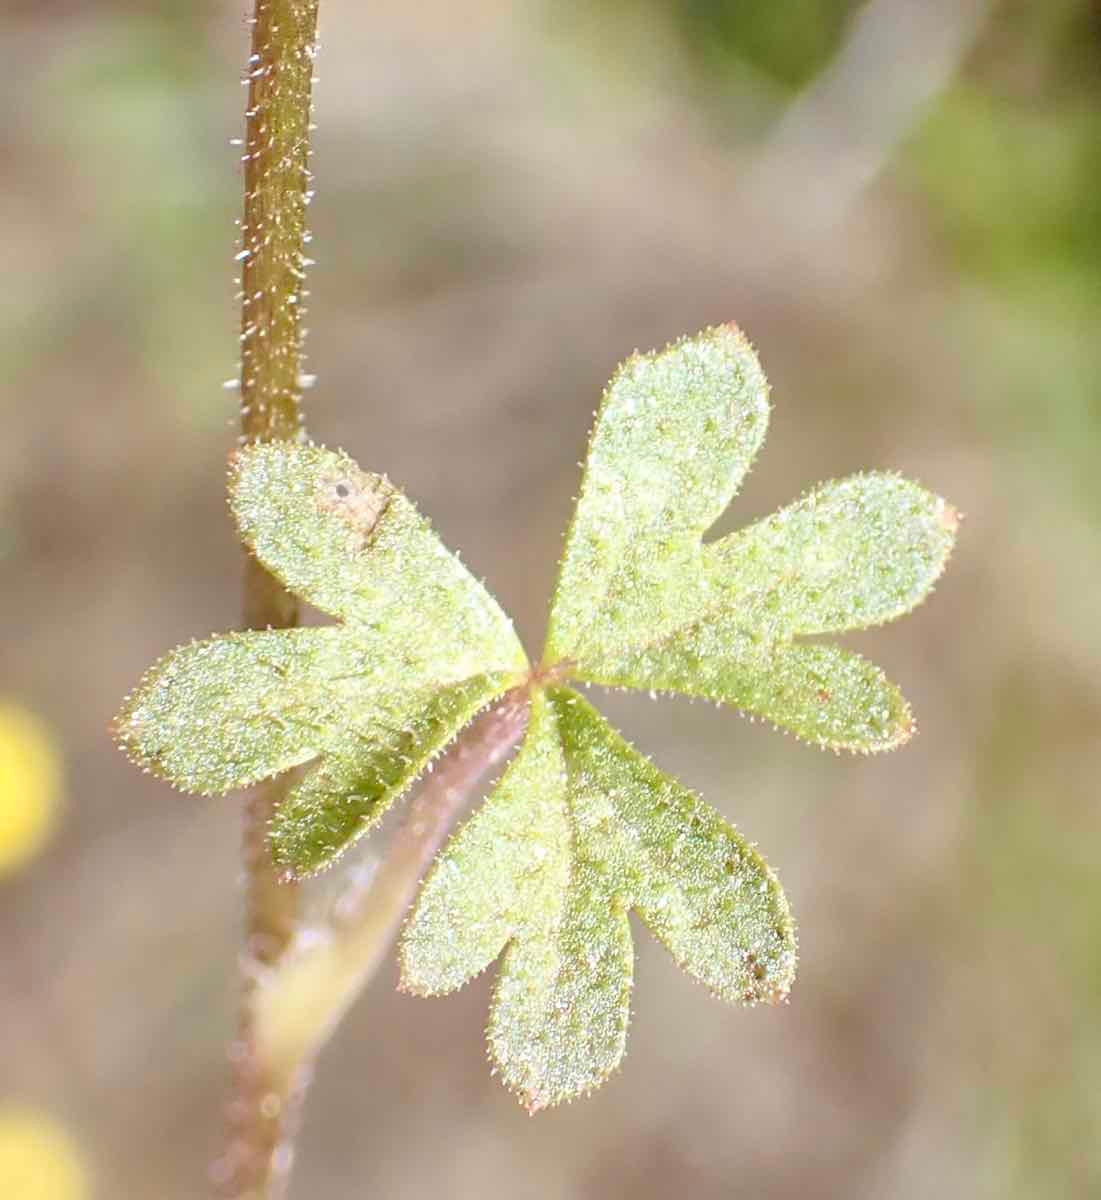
{"type": "Point", "coordinates": [358, 499]}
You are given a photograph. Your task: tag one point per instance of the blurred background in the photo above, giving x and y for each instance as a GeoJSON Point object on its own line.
{"type": "Point", "coordinates": [900, 202]}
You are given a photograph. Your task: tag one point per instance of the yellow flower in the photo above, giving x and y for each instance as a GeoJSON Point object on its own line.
{"type": "Point", "coordinates": [30, 783]}
{"type": "Point", "coordinates": [38, 1160]}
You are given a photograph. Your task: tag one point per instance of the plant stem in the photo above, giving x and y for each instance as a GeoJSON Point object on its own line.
{"type": "Point", "coordinates": [262, 1116]}
{"type": "Point", "coordinates": [294, 1006]}
{"type": "Point", "coordinates": [295, 989]}
{"type": "Point", "coordinates": [277, 178]}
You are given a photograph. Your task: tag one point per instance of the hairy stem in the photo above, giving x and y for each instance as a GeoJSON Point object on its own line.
{"type": "Point", "coordinates": [296, 988]}
{"type": "Point", "coordinates": [277, 193]}
{"type": "Point", "coordinates": [277, 178]}
{"type": "Point", "coordinates": [263, 1111]}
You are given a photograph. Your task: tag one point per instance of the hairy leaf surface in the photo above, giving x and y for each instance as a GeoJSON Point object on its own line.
{"type": "Point", "coordinates": [421, 648]}
{"type": "Point", "coordinates": [644, 602]}
{"type": "Point", "coordinates": [581, 830]}
{"type": "Point", "coordinates": [675, 435]}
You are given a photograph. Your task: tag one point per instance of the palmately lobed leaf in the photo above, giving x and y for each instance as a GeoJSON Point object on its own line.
{"type": "Point", "coordinates": [422, 647]}
{"type": "Point", "coordinates": [582, 829]}
{"type": "Point", "coordinates": [644, 602]}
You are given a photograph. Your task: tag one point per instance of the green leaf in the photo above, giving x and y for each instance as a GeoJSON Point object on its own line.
{"type": "Point", "coordinates": [582, 829]}
{"type": "Point", "coordinates": [503, 868]}
{"type": "Point", "coordinates": [353, 546]}
{"type": "Point", "coordinates": [852, 553]}
{"type": "Point", "coordinates": [371, 764]}
{"type": "Point", "coordinates": [676, 433]}
{"type": "Point", "coordinates": [225, 713]}
{"type": "Point", "coordinates": [643, 602]}
{"type": "Point", "coordinates": [825, 695]}
{"type": "Point", "coordinates": [421, 649]}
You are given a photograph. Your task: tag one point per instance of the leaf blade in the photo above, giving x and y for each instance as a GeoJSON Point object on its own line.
{"type": "Point", "coordinates": [850, 554]}
{"type": "Point", "coordinates": [699, 886]}
{"type": "Point", "coordinates": [676, 433]}
{"type": "Point", "coordinates": [422, 647]}
{"type": "Point", "coordinates": [352, 545]}
{"type": "Point", "coordinates": [615, 834]}
{"type": "Point", "coordinates": [506, 877]}
{"type": "Point", "coordinates": [825, 695]}
{"type": "Point", "coordinates": [473, 899]}
{"type": "Point", "coordinates": [561, 1007]}
{"type": "Point", "coordinates": [224, 713]}
{"type": "Point", "coordinates": [346, 794]}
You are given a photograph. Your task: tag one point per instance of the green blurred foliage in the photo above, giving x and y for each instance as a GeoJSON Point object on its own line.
{"type": "Point", "coordinates": [789, 42]}
{"type": "Point", "coordinates": [785, 42]}
{"type": "Point", "coordinates": [1008, 164]}
{"type": "Point", "coordinates": [1011, 156]}
{"type": "Point", "coordinates": [145, 139]}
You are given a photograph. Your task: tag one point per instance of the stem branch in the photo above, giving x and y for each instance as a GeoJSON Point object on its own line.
{"type": "Point", "coordinates": [300, 1005]}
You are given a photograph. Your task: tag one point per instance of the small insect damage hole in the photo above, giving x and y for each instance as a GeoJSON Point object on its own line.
{"type": "Point", "coordinates": [359, 500]}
